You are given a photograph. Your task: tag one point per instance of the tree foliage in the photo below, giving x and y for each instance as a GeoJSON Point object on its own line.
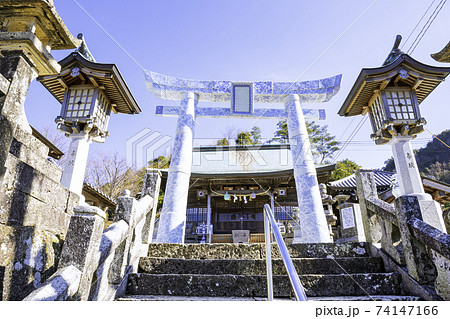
{"type": "Point", "coordinates": [255, 135]}
{"type": "Point", "coordinates": [223, 142]}
{"type": "Point", "coordinates": [323, 144]}
{"type": "Point", "coordinates": [244, 138]}
{"type": "Point", "coordinates": [433, 160]}
{"type": "Point", "coordinates": [343, 169]}
{"type": "Point", "coordinates": [160, 162]}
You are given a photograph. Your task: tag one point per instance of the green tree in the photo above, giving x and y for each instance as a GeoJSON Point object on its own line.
{"type": "Point", "coordinates": [389, 165]}
{"type": "Point", "coordinates": [255, 135]}
{"type": "Point", "coordinates": [282, 133]}
{"type": "Point", "coordinates": [223, 141]}
{"type": "Point", "coordinates": [244, 138]}
{"type": "Point", "coordinates": [343, 169]}
{"type": "Point", "coordinates": [160, 162]}
{"type": "Point", "coordinates": [439, 171]}
{"type": "Point", "coordinates": [323, 144]}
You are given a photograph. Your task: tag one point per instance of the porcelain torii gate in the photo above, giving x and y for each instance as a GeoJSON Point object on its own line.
{"type": "Point", "coordinates": [243, 96]}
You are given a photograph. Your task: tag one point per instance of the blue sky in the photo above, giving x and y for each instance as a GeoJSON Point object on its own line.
{"type": "Point", "coordinates": [249, 41]}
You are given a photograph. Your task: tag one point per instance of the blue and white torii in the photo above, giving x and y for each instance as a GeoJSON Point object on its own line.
{"type": "Point", "coordinates": [242, 97]}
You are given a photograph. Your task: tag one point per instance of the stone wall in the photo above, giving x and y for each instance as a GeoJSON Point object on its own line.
{"type": "Point", "coordinates": [35, 209]}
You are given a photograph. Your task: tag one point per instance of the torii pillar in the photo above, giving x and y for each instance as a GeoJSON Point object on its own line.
{"type": "Point", "coordinates": [313, 222]}
{"type": "Point", "coordinates": [171, 227]}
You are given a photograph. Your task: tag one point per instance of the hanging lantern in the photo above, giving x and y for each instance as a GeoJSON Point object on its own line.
{"type": "Point", "coordinates": [245, 199]}
{"type": "Point", "coordinates": [253, 195]}
{"type": "Point", "coordinates": [235, 198]}
{"type": "Point", "coordinates": [226, 196]}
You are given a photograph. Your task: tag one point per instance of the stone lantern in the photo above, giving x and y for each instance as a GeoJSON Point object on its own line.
{"type": "Point", "coordinates": [88, 92]}
{"type": "Point", "coordinates": [391, 95]}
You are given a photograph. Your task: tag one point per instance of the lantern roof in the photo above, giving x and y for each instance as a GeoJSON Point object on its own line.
{"type": "Point", "coordinates": [49, 24]}
{"type": "Point", "coordinates": [443, 55]}
{"type": "Point", "coordinates": [77, 70]}
{"type": "Point", "coordinates": [399, 70]}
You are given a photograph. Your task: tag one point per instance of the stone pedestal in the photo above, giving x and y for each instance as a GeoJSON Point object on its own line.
{"type": "Point", "coordinates": [312, 217]}
{"type": "Point", "coordinates": [410, 183]}
{"type": "Point", "coordinates": [75, 167]}
{"type": "Point", "coordinates": [352, 228]}
{"type": "Point", "coordinates": [172, 222]}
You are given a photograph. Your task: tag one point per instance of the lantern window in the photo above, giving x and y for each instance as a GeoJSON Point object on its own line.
{"type": "Point", "coordinates": [377, 113]}
{"type": "Point", "coordinates": [79, 103]}
{"type": "Point", "coordinates": [400, 105]}
{"type": "Point", "coordinates": [102, 112]}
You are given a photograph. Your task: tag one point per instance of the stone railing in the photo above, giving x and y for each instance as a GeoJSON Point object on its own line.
{"type": "Point", "coordinates": [95, 263]}
{"type": "Point", "coordinates": [412, 233]}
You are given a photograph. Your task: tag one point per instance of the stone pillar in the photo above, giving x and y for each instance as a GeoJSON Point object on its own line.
{"type": "Point", "coordinates": [366, 187]}
{"type": "Point", "coordinates": [82, 244]}
{"type": "Point", "coordinates": [75, 167]}
{"type": "Point", "coordinates": [405, 164]}
{"type": "Point", "coordinates": [312, 217]}
{"type": "Point", "coordinates": [16, 69]}
{"type": "Point", "coordinates": [208, 217]}
{"type": "Point", "coordinates": [173, 215]}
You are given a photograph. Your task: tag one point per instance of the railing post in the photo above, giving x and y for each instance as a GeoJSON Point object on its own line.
{"type": "Point", "coordinates": [420, 265]}
{"type": "Point", "coordinates": [81, 245]}
{"type": "Point", "coordinates": [366, 187]}
{"type": "Point", "coordinates": [267, 234]}
{"type": "Point", "coordinates": [151, 186]}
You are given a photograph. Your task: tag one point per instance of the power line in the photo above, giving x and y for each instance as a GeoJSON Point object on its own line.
{"type": "Point", "coordinates": [417, 24]}
{"type": "Point", "coordinates": [351, 136]}
{"type": "Point", "coordinates": [426, 26]}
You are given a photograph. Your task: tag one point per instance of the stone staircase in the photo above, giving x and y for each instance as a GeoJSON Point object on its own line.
{"type": "Point", "coordinates": [238, 272]}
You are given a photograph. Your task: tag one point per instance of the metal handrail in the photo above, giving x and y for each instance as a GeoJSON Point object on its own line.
{"type": "Point", "coordinates": [270, 224]}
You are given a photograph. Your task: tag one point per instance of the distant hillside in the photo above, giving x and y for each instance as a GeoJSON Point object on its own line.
{"type": "Point", "coordinates": [433, 160]}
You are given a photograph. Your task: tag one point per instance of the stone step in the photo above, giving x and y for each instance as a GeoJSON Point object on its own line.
{"type": "Point", "coordinates": [157, 265]}
{"type": "Point", "coordinates": [256, 251]}
{"type": "Point", "coordinates": [256, 285]}
{"type": "Point", "coordinates": [206, 298]}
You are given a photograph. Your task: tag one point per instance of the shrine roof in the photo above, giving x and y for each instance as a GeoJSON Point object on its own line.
{"type": "Point", "coordinates": [382, 179]}
{"type": "Point", "coordinates": [271, 160]}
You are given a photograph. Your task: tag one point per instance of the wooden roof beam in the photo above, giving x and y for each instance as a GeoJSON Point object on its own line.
{"type": "Point", "coordinates": [417, 83]}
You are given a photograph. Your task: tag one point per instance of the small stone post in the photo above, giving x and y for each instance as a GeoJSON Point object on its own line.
{"type": "Point", "coordinates": [151, 186]}
{"type": "Point", "coordinates": [312, 217]}
{"type": "Point", "coordinates": [172, 222]}
{"type": "Point", "coordinates": [366, 187]}
{"type": "Point", "coordinates": [82, 245]}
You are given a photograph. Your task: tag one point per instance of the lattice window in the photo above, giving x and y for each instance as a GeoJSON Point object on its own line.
{"type": "Point", "coordinates": [377, 112]}
{"type": "Point", "coordinates": [283, 213]}
{"type": "Point", "coordinates": [196, 214]}
{"type": "Point", "coordinates": [400, 105]}
{"type": "Point", "coordinates": [79, 103]}
{"type": "Point", "coordinates": [102, 111]}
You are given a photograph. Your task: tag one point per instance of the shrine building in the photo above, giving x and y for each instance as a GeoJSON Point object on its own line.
{"type": "Point", "coordinates": [231, 184]}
